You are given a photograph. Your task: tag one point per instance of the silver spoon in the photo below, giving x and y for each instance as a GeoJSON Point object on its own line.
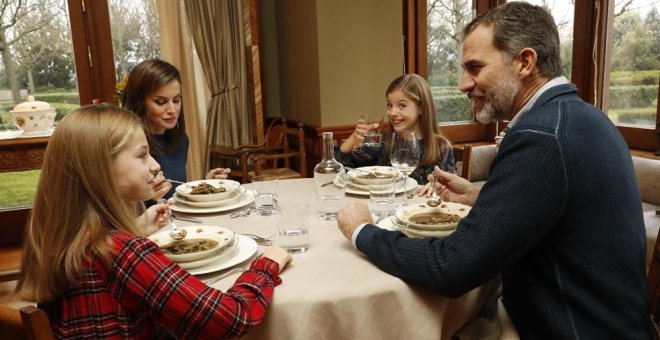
{"type": "Point", "coordinates": [176, 233]}
{"type": "Point", "coordinates": [435, 200]}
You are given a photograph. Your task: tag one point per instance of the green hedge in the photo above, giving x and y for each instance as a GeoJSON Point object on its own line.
{"type": "Point", "coordinates": [452, 108]}
{"type": "Point", "coordinates": [58, 97]}
{"type": "Point", "coordinates": [623, 97]}
{"type": "Point", "coordinates": [627, 78]}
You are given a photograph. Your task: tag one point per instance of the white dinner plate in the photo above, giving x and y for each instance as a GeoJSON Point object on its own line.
{"type": "Point", "coordinates": [388, 224]}
{"type": "Point", "coordinates": [410, 183]}
{"type": "Point", "coordinates": [246, 198]}
{"type": "Point", "coordinates": [245, 248]}
{"type": "Point", "coordinates": [236, 195]}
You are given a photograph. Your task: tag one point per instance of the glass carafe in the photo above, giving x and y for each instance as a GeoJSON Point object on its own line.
{"type": "Point", "coordinates": [329, 181]}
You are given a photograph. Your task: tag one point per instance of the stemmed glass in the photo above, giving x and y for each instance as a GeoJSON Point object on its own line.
{"type": "Point", "coordinates": [404, 156]}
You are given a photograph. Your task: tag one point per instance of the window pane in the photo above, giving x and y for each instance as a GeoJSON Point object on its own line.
{"type": "Point", "coordinates": [135, 35]}
{"type": "Point", "coordinates": [635, 63]}
{"type": "Point", "coordinates": [39, 62]}
{"type": "Point", "coordinates": [445, 22]}
{"type": "Point", "coordinates": [562, 11]}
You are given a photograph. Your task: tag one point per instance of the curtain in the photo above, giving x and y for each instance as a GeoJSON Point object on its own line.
{"type": "Point", "coordinates": [217, 32]}
{"type": "Point", "coordinates": [176, 47]}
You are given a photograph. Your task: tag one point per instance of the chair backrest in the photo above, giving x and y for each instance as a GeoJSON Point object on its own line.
{"type": "Point", "coordinates": [480, 159]}
{"type": "Point", "coordinates": [282, 143]}
{"type": "Point", "coordinates": [654, 281]}
{"type": "Point", "coordinates": [12, 224]}
{"type": "Point", "coordinates": [462, 154]}
{"type": "Point", "coordinates": [29, 323]}
{"type": "Point", "coordinates": [647, 172]}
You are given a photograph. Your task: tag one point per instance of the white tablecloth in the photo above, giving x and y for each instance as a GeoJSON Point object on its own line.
{"type": "Point", "coordinates": [333, 291]}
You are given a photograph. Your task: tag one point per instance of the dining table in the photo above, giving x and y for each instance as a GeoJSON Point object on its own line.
{"type": "Point", "coordinates": [333, 291]}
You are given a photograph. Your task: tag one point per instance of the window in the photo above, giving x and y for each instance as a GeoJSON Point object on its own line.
{"type": "Point", "coordinates": [610, 72]}
{"type": "Point", "coordinates": [634, 64]}
{"type": "Point", "coordinates": [135, 35]}
{"type": "Point", "coordinates": [66, 61]}
{"type": "Point", "coordinates": [444, 43]}
{"type": "Point", "coordinates": [38, 62]}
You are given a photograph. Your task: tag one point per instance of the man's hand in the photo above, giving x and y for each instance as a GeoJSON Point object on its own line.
{"type": "Point", "coordinates": [453, 188]}
{"type": "Point", "coordinates": [351, 216]}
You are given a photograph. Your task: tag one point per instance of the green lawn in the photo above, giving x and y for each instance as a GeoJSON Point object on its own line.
{"type": "Point", "coordinates": [18, 188]}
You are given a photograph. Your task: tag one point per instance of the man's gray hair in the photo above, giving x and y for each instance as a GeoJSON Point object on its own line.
{"type": "Point", "coordinates": [517, 25]}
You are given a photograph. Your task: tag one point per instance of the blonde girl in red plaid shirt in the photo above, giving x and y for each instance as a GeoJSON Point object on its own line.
{"type": "Point", "coordinates": [86, 261]}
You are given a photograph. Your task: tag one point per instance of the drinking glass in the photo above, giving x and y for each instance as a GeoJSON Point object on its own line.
{"type": "Point", "coordinates": [265, 194]}
{"type": "Point", "coordinates": [404, 156]}
{"type": "Point", "coordinates": [381, 197]}
{"type": "Point", "coordinates": [293, 227]}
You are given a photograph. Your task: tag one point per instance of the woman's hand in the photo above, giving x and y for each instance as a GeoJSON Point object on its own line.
{"type": "Point", "coordinates": [155, 218]}
{"type": "Point", "coordinates": [453, 188]}
{"type": "Point", "coordinates": [278, 255]}
{"type": "Point", "coordinates": [161, 186]}
{"type": "Point", "coordinates": [357, 137]}
{"type": "Point", "coordinates": [218, 173]}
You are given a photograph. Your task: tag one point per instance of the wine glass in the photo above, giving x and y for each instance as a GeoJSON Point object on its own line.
{"type": "Point", "coordinates": [404, 156]}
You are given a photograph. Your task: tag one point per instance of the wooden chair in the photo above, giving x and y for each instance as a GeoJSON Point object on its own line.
{"type": "Point", "coordinates": [275, 143]}
{"type": "Point", "coordinates": [654, 282]}
{"type": "Point", "coordinates": [12, 224]}
{"type": "Point", "coordinates": [29, 322]}
{"type": "Point", "coordinates": [462, 154]}
{"type": "Point", "coordinates": [275, 160]}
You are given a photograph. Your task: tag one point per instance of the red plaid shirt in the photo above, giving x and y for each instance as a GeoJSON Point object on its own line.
{"type": "Point", "coordinates": [144, 290]}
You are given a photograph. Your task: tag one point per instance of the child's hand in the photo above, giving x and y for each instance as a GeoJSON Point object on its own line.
{"type": "Point", "coordinates": [278, 255]}
{"type": "Point", "coordinates": [155, 218]}
{"type": "Point", "coordinates": [357, 137]}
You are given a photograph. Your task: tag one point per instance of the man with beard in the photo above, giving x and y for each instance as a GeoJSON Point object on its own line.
{"type": "Point", "coordinates": [560, 217]}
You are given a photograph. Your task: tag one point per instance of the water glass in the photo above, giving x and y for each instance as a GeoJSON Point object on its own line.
{"type": "Point", "coordinates": [373, 139]}
{"type": "Point", "coordinates": [381, 197]}
{"type": "Point", "coordinates": [265, 194]}
{"type": "Point", "coordinates": [293, 227]}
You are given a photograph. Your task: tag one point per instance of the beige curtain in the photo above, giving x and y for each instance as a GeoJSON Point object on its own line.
{"type": "Point", "coordinates": [217, 32]}
{"type": "Point", "coordinates": [176, 47]}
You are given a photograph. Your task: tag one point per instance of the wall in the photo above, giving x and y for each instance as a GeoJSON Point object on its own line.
{"type": "Point", "coordinates": [335, 58]}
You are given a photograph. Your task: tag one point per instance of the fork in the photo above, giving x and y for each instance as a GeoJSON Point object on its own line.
{"type": "Point", "coordinates": [264, 241]}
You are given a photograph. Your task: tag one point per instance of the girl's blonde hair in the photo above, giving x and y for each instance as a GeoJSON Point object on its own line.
{"type": "Point", "coordinates": [77, 201]}
{"type": "Point", "coordinates": [436, 145]}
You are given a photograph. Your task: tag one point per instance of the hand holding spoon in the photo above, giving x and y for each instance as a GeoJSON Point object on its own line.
{"type": "Point", "coordinates": [176, 233]}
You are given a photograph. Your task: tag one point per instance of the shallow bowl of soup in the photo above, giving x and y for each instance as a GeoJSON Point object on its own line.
{"type": "Point", "coordinates": [208, 190]}
{"type": "Point", "coordinates": [423, 217]}
{"type": "Point", "coordinates": [372, 175]}
{"type": "Point", "coordinates": [200, 242]}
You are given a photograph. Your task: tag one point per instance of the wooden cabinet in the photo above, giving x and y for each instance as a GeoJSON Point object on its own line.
{"type": "Point", "coordinates": [22, 153]}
